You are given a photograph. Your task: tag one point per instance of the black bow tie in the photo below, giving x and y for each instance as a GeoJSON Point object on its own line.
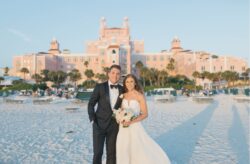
{"type": "Point", "coordinates": [113, 86]}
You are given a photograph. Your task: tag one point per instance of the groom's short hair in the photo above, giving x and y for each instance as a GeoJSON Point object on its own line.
{"type": "Point", "coordinates": [115, 66]}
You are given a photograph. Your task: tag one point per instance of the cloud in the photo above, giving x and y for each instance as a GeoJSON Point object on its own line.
{"type": "Point", "coordinates": [20, 34]}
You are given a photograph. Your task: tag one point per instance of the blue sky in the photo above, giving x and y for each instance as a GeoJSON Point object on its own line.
{"type": "Point", "coordinates": [217, 26]}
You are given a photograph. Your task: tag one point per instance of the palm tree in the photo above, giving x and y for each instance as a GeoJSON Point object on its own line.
{"type": "Point", "coordinates": [171, 65]}
{"type": "Point", "coordinates": [105, 70]}
{"type": "Point", "coordinates": [230, 76]}
{"type": "Point", "coordinates": [144, 75]}
{"type": "Point", "coordinates": [86, 64]}
{"type": "Point", "coordinates": [246, 75]}
{"type": "Point", "coordinates": [162, 77]}
{"type": "Point", "coordinates": [215, 77]}
{"type": "Point", "coordinates": [153, 76]}
{"type": "Point", "coordinates": [45, 73]}
{"type": "Point", "coordinates": [74, 76]}
{"type": "Point", "coordinates": [102, 77]}
{"type": "Point", "coordinates": [139, 66]}
{"type": "Point", "coordinates": [57, 77]}
{"type": "Point", "coordinates": [234, 77]}
{"type": "Point", "coordinates": [24, 70]}
{"type": "Point", "coordinates": [61, 77]}
{"type": "Point", "coordinates": [6, 70]}
{"type": "Point", "coordinates": [226, 76]}
{"type": "Point", "coordinates": [1, 79]}
{"type": "Point", "coordinates": [89, 74]}
{"type": "Point", "coordinates": [218, 76]}
{"type": "Point", "coordinates": [248, 72]}
{"type": "Point", "coordinates": [37, 78]}
{"type": "Point", "coordinates": [196, 75]}
{"type": "Point", "coordinates": [204, 75]}
{"type": "Point", "coordinates": [211, 77]}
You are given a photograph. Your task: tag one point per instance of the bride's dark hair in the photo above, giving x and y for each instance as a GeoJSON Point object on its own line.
{"type": "Point", "coordinates": [137, 84]}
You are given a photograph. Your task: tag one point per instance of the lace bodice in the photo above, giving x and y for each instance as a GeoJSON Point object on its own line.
{"type": "Point", "coordinates": [132, 104]}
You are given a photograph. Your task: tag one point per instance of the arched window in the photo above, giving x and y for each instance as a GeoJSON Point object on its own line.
{"type": "Point", "coordinates": [113, 52]}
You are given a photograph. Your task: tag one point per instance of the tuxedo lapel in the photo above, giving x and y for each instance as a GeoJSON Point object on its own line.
{"type": "Point", "coordinates": [107, 95]}
{"type": "Point", "coordinates": [120, 89]}
{"type": "Point", "coordinates": [119, 99]}
{"type": "Point", "coordinates": [120, 92]}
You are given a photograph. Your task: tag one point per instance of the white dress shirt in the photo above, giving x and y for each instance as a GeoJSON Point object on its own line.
{"type": "Point", "coordinates": [113, 93]}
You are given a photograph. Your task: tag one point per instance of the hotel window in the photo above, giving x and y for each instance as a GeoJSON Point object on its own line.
{"type": "Point", "coordinates": [232, 68]}
{"type": "Point", "coordinates": [154, 58]}
{"type": "Point", "coordinates": [162, 58]}
{"type": "Point", "coordinates": [102, 61]}
{"type": "Point", "coordinates": [96, 59]}
{"type": "Point", "coordinates": [102, 52]}
{"type": "Point", "coordinates": [243, 68]}
{"type": "Point", "coordinates": [214, 68]}
{"type": "Point", "coordinates": [221, 68]}
{"type": "Point", "coordinates": [18, 64]}
{"type": "Point", "coordinates": [113, 40]}
{"type": "Point", "coordinates": [203, 68]}
{"type": "Point", "coordinates": [148, 58]}
{"type": "Point", "coordinates": [39, 63]}
{"type": "Point", "coordinates": [113, 52]}
{"type": "Point", "coordinates": [75, 59]}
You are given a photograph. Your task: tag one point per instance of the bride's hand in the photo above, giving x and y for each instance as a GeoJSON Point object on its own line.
{"type": "Point", "coordinates": [127, 123]}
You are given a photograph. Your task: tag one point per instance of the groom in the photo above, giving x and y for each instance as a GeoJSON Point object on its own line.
{"type": "Point", "coordinates": [105, 95]}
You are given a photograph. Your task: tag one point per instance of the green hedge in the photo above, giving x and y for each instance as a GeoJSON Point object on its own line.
{"type": "Point", "coordinates": [19, 86]}
{"type": "Point", "coordinates": [84, 95]}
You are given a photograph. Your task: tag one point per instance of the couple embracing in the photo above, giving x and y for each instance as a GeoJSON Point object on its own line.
{"type": "Point", "coordinates": [130, 145]}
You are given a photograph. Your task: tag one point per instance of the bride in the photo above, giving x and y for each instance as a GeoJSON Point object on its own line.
{"type": "Point", "coordinates": [134, 145]}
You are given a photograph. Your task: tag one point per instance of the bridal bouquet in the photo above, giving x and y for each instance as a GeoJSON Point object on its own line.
{"type": "Point", "coordinates": [123, 115]}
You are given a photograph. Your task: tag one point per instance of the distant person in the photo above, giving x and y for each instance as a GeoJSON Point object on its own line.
{"type": "Point", "coordinates": [206, 92]}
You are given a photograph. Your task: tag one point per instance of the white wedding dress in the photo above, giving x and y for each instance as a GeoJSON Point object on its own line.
{"type": "Point", "coordinates": [134, 145]}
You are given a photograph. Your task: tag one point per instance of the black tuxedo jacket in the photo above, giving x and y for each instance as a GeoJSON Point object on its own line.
{"type": "Point", "coordinates": [100, 96]}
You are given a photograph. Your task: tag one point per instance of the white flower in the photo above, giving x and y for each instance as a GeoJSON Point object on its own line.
{"type": "Point", "coordinates": [117, 114]}
{"type": "Point", "coordinates": [121, 96]}
{"type": "Point", "coordinates": [123, 115]}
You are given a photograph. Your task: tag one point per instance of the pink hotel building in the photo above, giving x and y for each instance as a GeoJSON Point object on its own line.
{"type": "Point", "coordinates": [115, 46]}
